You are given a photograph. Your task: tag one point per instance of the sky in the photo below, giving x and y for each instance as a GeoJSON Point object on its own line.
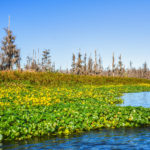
{"type": "Point", "coordinates": [70, 26]}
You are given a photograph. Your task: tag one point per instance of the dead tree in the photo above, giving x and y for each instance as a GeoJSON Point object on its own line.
{"type": "Point", "coordinates": [46, 60]}
{"type": "Point", "coordinates": [73, 65]}
{"type": "Point", "coordinates": [100, 67]}
{"type": "Point", "coordinates": [85, 65]}
{"type": "Point", "coordinates": [145, 70]}
{"type": "Point", "coordinates": [79, 64]}
{"type": "Point", "coordinates": [90, 65]}
{"type": "Point", "coordinates": [95, 64]}
{"type": "Point", "coordinates": [113, 65]}
{"type": "Point", "coordinates": [28, 64]}
{"type": "Point", "coordinates": [120, 66]}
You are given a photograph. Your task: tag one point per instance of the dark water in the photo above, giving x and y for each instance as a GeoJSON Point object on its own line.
{"type": "Point", "coordinates": [123, 138]}
{"type": "Point", "coordinates": [138, 138]}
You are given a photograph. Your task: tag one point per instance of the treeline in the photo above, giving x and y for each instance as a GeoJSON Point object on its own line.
{"type": "Point", "coordinates": [81, 64]}
{"type": "Point", "coordinates": [88, 66]}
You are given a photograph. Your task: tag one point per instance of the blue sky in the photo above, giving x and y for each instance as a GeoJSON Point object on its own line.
{"type": "Point", "coordinates": [64, 26]}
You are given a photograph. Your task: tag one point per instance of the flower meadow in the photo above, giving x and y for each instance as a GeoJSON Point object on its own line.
{"type": "Point", "coordinates": [33, 110]}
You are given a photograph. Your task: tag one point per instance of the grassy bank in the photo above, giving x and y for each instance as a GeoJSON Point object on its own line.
{"type": "Point", "coordinates": [81, 103]}
{"type": "Point", "coordinates": [58, 79]}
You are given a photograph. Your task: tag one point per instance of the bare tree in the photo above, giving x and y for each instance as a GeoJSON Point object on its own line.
{"type": "Point", "coordinates": [145, 70]}
{"type": "Point", "coordinates": [34, 65]}
{"type": "Point", "coordinates": [108, 71]}
{"type": "Point", "coordinates": [113, 65]}
{"type": "Point", "coordinates": [28, 64]}
{"type": "Point", "coordinates": [46, 60]}
{"type": "Point", "coordinates": [131, 64]}
{"type": "Point", "coordinates": [120, 66]}
{"type": "Point", "coordinates": [79, 64]}
{"type": "Point", "coordinates": [85, 65]}
{"type": "Point", "coordinates": [90, 65]}
{"type": "Point", "coordinates": [73, 64]}
{"type": "Point", "coordinates": [95, 64]}
{"type": "Point", "coordinates": [53, 67]}
{"type": "Point", "coordinates": [100, 67]}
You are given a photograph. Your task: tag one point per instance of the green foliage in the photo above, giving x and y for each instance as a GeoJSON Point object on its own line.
{"type": "Point", "coordinates": [29, 110]}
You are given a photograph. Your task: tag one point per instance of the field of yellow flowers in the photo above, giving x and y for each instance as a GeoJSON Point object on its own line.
{"type": "Point", "coordinates": [32, 110]}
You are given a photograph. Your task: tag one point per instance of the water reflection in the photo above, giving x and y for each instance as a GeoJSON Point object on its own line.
{"type": "Point", "coordinates": [137, 138]}
{"type": "Point", "coordinates": [136, 99]}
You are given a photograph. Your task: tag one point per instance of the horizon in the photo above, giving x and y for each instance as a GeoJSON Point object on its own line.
{"type": "Point", "coordinates": [66, 26]}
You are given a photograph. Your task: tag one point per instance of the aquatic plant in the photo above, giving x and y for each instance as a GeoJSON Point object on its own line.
{"type": "Point", "coordinates": [28, 110]}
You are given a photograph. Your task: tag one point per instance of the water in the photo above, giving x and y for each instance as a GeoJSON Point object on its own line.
{"type": "Point", "coordinates": [138, 138]}
{"type": "Point", "coordinates": [123, 138]}
{"type": "Point", "coordinates": [136, 99]}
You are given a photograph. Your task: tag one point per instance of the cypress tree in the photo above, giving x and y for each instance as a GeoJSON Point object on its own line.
{"type": "Point", "coordinates": [10, 54]}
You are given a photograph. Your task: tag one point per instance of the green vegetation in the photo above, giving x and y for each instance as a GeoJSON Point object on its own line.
{"type": "Point", "coordinates": [38, 104]}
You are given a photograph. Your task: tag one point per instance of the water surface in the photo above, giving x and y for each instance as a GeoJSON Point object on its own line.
{"type": "Point", "coordinates": [136, 99]}
{"type": "Point", "coordinates": [136, 138]}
